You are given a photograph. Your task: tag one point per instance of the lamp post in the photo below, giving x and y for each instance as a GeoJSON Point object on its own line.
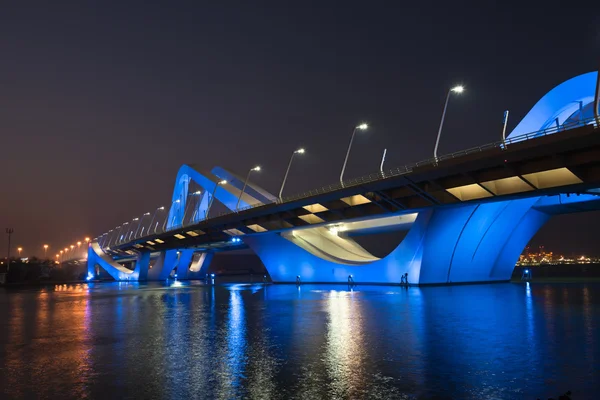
{"type": "Point", "coordinates": [456, 89]}
{"type": "Point", "coordinates": [361, 127]}
{"type": "Point", "coordinates": [299, 151]}
{"type": "Point", "coordinates": [131, 232]}
{"type": "Point", "coordinates": [101, 240]}
{"type": "Point", "coordinates": [212, 197]}
{"type": "Point", "coordinates": [119, 236]}
{"type": "Point", "coordinates": [109, 238]}
{"type": "Point", "coordinates": [45, 250]}
{"type": "Point", "coordinates": [189, 204]}
{"type": "Point", "coordinates": [152, 220]}
{"type": "Point", "coordinates": [505, 122]}
{"type": "Point", "coordinates": [61, 256]}
{"type": "Point", "coordinates": [165, 225]}
{"type": "Point", "coordinates": [257, 168]}
{"type": "Point", "coordinates": [9, 232]}
{"type": "Point", "coordinates": [19, 249]}
{"type": "Point", "coordinates": [138, 227]}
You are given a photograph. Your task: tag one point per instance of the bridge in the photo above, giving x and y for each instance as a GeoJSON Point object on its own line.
{"type": "Point", "coordinates": [467, 215]}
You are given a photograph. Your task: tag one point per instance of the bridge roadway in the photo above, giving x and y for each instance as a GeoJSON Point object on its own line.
{"type": "Point", "coordinates": [563, 162]}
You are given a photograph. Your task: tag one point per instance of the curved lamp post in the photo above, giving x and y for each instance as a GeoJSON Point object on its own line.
{"type": "Point", "coordinates": [152, 220]}
{"type": "Point", "coordinates": [140, 224]}
{"type": "Point", "coordinates": [212, 197]}
{"type": "Point", "coordinates": [456, 89]}
{"type": "Point", "coordinates": [257, 168]}
{"type": "Point", "coordinates": [299, 151]}
{"type": "Point", "coordinates": [361, 127]}
{"type": "Point", "coordinates": [189, 204]}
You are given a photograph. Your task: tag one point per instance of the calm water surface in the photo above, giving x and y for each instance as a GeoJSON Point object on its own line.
{"type": "Point", "coordinates": [111, 340]}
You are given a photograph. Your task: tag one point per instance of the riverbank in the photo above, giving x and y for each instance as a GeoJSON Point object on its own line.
{"type": "Point", "coordinates": [565, 273]}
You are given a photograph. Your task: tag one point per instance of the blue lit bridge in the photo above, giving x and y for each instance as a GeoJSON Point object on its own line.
{"type": "Point", "coordinates": [467, 215]}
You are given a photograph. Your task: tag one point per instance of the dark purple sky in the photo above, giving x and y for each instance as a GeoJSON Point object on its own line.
{"type": "Point", "coordinates": [101, 102]}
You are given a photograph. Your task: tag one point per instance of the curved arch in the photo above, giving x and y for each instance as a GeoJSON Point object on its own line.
{"type": "Point", "coordinates": [97, 256]}
{"type": "Point", "coordinates": [564, 103]}
{"type": "Point", "coordinates": [467, 243]}
{"type": "Point", "coordinates": [227, 194]}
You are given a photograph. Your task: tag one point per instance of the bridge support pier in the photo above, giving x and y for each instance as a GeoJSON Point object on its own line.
{"type": "Point", "coordinates": [96, 256]}
{"type": "Point", "coordinates": [184, 263]}
{"type": "Point", "coordinates": [470, 243]}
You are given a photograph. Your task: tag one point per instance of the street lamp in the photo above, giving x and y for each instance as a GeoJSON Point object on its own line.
{"type": "Point", "coordinates": [45, 250]}
{"type": "Point", "coordinates": [456, 89]}
{"type": "Point", "coordinates": [178, 202]}
{"type": "Point", "coordinates": [119, 236]}
{"type": "Point", "coordinates": [131, 232]}
{"type": "Point", "coordinates": [299, 151]}
{"type": "Point", "coordinates": [361, 127]}
{"type": "Point", "coordinates": [152, 220]}
{"type": "Point", "coordinates": [257, 168]}
{"type": "Point", "coordinates": [136, 230]}
{"type": "Point", "coordinates": [189, 205]}
{"type": "Point", "coordinates": [19, 249]}
{"type": "Point", "coordinates": [212, 197]}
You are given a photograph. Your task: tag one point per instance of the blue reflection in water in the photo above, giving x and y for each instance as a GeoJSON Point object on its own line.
{"type": "Point", "coordinates": [233, 360]}
{"type": "Point", "coordinates": [503, 341]}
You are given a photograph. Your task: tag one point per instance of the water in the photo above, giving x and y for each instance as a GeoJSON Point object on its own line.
{"type": "Point", "coordinates": [111, 340]}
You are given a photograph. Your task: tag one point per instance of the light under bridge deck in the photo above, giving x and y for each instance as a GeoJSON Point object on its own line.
{"type": "Point", "coordinates": [564, 162]}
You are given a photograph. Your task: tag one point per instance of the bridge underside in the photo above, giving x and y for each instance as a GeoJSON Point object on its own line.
{"type": "Point", "coordinates": [468, 243]}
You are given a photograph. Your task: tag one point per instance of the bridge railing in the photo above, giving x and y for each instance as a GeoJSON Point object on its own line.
{"type": "Point", "coordinates": [403, 170]}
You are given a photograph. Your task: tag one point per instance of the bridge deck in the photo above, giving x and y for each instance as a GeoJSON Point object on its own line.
{"type": "Point", "coordinates": [563, 162]}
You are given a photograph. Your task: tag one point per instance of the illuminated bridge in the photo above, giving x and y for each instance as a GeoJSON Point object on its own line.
{"type": "Point", "coordinates": [467, 215]}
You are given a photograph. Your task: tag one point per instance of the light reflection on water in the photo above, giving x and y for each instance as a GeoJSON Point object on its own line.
{"type": "Point", "coordinates": [185, 340]}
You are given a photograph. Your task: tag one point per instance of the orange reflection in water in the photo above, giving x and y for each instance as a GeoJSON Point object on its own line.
{"type": "Point", "coordinates": [59, 320]}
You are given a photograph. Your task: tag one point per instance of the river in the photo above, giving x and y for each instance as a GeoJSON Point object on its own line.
{"type": "Point", "coordinates": [188, 340]}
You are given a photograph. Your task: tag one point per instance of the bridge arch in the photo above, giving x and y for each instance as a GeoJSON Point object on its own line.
{"type": "Point", "coordinates": [227, 194]}
{"type": "Point", "coordinates": [566, 104]}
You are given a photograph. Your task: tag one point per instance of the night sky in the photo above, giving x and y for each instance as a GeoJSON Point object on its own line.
{"type": "Point", "coordinates": [101, 102]}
